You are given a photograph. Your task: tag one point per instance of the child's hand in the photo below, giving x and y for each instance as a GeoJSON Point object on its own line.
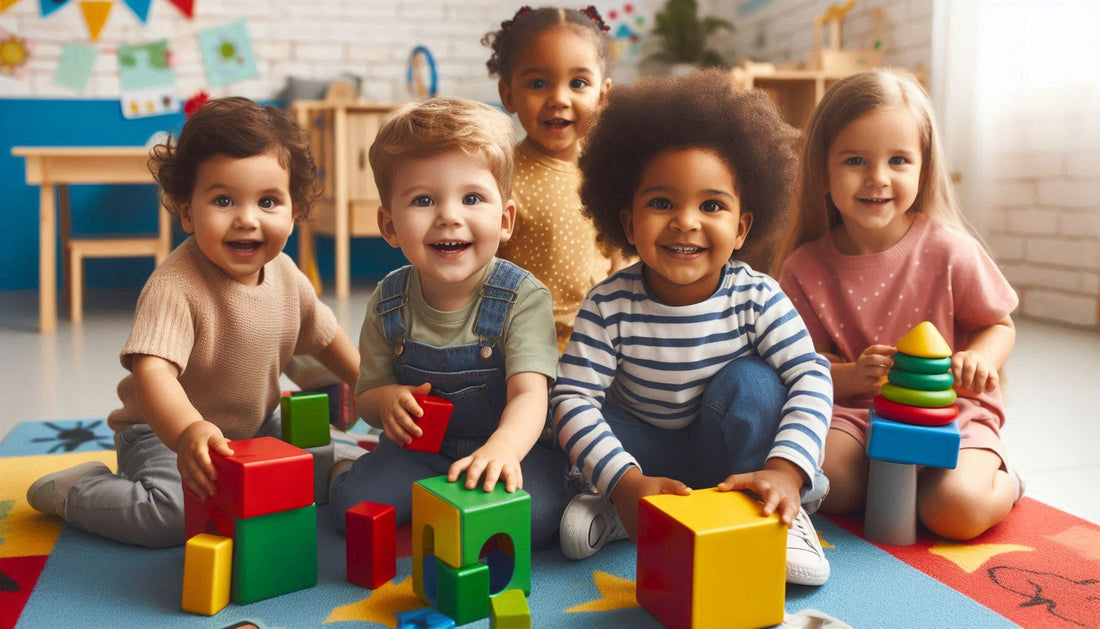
{"type": "Point", "coordinates": [632, 487]}
{"type": "Point", "coordinates": [193, 456]}
{"type": "Point", "coordinates": [497, 461]}
{"type": "Point", "coordinates": [778, 485]}
{"type": "Point", "coordinates": [864, 377]}
{"type": "Point", "coordinates": [973, 373]}
{"type": "Point", "coordinates": [399, 412]}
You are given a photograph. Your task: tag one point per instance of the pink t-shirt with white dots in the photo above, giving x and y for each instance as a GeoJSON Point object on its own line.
{"type": "Point", "coordinates": [933, 273]}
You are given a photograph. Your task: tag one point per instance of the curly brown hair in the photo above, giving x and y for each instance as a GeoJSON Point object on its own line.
{"type": "Point", "coordinates": [527, 23]}
{"type": "Point", "coordinates": [237, 127]}
{"type": "Point", "coordinates": [698, 110]}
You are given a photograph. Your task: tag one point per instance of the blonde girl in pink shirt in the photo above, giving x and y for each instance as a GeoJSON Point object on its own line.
{"type": "Point", "coordinates": [879, 245]}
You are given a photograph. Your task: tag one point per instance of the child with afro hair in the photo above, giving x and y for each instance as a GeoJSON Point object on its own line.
{"type": "Point", "coordinates": [689, 368]}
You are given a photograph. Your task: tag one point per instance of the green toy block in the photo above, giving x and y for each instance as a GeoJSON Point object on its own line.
{"type": "Point", "coordinates": [463, 593]}
{"type": "Point", "coordinates": [508, 610]}
{"type": "Point", "coordinates": [274, 554]}
{"type": "Point", "coordinates": [454, 524]}
{"type": "Point", "coordinates": [305, 419]}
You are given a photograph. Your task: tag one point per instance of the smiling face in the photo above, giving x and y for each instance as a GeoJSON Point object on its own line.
{"type": "Point", "coordinates": [555, 87]}
{"type": "Point", "coordinates": [240, 213]}
{"type": "Point", "coordinates": [447, 216]}
{"type": "Point", "coordinates": [874, 167]}
{"type": "Point", "coordinates": [686, 222]}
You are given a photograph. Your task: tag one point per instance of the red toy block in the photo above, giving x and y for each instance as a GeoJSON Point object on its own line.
{"type": "Point", "coordinates": [437, 413]}
{"type": "Point", "coordinates": [371, 544]}
{"type": "Point", "coordinates": [264, 475]}
{"type": "Point", "coordinates": [200, 517]}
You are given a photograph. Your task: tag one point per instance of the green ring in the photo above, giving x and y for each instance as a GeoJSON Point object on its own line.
{"type": "Point", "coordinates": [916, 364]}
{"type": "Point", "coordinates": [921, 381]}
{"type": "Point", "coordinates": [913, 397]}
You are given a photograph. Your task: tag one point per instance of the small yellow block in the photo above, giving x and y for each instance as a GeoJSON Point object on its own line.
{"type": "Point", "coordinates": [509, 610]}
{"type": "Point", "coordinates": [924, 341]}
{"type": "Point", "coordinates": [207, 572]}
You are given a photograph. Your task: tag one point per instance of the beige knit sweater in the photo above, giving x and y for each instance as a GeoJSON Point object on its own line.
{"type": "Point", "coordinates": [230, 341]}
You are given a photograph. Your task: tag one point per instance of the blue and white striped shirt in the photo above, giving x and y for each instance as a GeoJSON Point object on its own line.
{"type": "Point", "coordinates": [656, 361]}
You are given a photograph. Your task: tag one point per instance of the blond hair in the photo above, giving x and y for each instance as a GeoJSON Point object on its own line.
{"type": "Point", "coordinates": [847, 100]}
{"type": "Point", "coordinates": [438, 125]}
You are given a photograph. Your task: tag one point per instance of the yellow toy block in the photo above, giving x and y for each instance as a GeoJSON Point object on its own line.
{"type": "Point", "coordinates": [924, 341]}
{"type": "Point", "coordinates": [207, 568]}
{"type": "Point", "coordinates": [445, 524]}
{"type": "Point", "coordinates": [710, 559]}
{"type": "Point", "coordinates": [509, 610]}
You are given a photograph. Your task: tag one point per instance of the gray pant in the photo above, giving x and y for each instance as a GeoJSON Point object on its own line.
{"type": "Point", "coordinates": [143, 503]}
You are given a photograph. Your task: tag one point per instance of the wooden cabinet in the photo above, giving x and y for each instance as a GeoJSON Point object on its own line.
{"type": "Point", "coordinates": [341, 134]}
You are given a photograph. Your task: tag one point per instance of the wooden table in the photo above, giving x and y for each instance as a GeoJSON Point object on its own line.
{"type": "Point", "coordinates": [48, 167]}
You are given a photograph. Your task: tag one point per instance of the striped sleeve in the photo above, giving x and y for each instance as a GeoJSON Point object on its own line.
{"type": "Point", "coordinates": [585, 372]}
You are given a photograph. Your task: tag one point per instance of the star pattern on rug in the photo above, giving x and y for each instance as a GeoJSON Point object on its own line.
{"type": "Point", "coordinates": [380, 605]}
{"type": "Point", "coordinates": [824, 542]}
{"type": "Point", "coordinates": [1083, 539]}
{"type": "Point", "coordinates": [970, 557]}
{"type": "Point", "coordinates": [615, 593]}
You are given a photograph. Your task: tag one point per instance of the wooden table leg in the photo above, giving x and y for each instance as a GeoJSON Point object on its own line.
{"type": "Point", "coordinates": [340, 204]}
{"type": "Point", "coordinates": [47, 265]}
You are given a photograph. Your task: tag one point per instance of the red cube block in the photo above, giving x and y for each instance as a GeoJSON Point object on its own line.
{"type": "Point", "coordinates": [200, 517]}
{"type": "Point", "coordinates": [437, 414]}
{"type": "Point", "coordinates": [264, 475]}
{"type": "Point", "coordinates": [371, 544]}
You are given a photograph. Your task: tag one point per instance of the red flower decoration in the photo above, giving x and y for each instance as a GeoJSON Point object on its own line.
{"type": "Point", "coordinates": [194, 103]}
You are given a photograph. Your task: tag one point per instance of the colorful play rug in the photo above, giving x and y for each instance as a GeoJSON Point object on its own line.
{"type": "Point", "coordinates": [1040, 568]}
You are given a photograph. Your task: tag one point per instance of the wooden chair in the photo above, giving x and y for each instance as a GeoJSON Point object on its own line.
{"type": "Point", "coordinates": [74, 250]}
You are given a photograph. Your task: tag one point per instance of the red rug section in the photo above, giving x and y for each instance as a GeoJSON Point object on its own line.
{"type": "Point", "coordinates": [1056, 584]}
{"type": "Point", "coordinates": [18, 575]}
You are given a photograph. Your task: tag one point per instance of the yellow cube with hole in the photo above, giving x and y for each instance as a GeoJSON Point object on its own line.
{"type": "Point", "coordinates": [207, 569]}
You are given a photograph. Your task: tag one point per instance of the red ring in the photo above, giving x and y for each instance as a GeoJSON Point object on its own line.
{"type": "Point", "coordinates": [914, 414]}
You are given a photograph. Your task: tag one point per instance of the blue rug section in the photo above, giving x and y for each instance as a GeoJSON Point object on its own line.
{"type": "Point", "coordinates": [92, 582]}
{"type": "Point", "coordinates": [58, 437]}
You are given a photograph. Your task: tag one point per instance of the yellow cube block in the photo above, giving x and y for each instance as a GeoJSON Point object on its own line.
{"type": "Point", "coordinates": [710, 560]}
{"type": "Point", "coordinates": [207, 571]}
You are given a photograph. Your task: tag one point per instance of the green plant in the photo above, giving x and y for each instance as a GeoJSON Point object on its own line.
{"type": "Point", "coordinates": [683, 35]}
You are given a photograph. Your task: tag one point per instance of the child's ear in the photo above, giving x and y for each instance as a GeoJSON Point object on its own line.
{"type": "Point", "coordinates": [505, 92]}
{"type": "Point", "coordinates": [508, 220]}
{"type": "Point", "coordinates": [604, 89]}
{"type": "Point", "coordinates": [743, 227]}
{"type": "Point", "coordinates": [183, 208]}
{"type": "Point", "coordinates": [627, 218]}
{"type": "Point", "coordinates": [386, 228]}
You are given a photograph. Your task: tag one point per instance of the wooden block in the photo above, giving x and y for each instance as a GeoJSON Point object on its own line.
{"type": "Point", "coordinates": [305, 419]}
{"type": "Point", "coordinates": [207, 566]}
{"type": "Point", "coordinates": [371, 547]}
{"type": "Point", "coordinates": [275, 554]}
{"type": "Point", "coordinates": [437, 414]}
{"type": "Point", "coordinates": [710, 559]}
{"type": "Point", "coordinates": [264, 475]}
{"type": "Point", "coordinates": [509, 610]}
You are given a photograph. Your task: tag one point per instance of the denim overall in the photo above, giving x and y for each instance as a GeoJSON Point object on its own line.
{"type": "Point", "coordinates": [472, 377]}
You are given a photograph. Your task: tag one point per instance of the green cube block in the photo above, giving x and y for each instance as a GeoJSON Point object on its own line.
{"type": "Point", "coordinates": [274, 554]}
{"type": "Point", "coordinates": [509, 610]}
{"type": "Point", "coordinates": [463, 592]}
{"type": "Point", "coordinates": [305, 419]}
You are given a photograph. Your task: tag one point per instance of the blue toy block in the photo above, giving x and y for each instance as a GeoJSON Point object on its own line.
{"type": "Point", "coordinates": [936, 446]}
{"type": "Point", "coordinates": [423, 618]}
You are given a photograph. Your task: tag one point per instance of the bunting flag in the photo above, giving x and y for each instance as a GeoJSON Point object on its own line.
{"type": "Point", "coordinates": [49, 6]}
{"type": "Point", "coordinates": [186, 6]}
{"type": "Point", "coordinates": [95, 15]}
{"type": "Point", "coordinates": [140, 9]}
{"type": "Point", "coordinates": [4, 4]}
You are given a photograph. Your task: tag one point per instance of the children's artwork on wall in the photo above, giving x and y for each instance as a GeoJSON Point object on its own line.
{"type": "Point", "coordinates": [148, 82]}
{"type": "Point", "coordinates": [627, 28]}
{"type": "Point", "coordinates": [95, 15]}
{"type": "Point", "coordinates": [49, 6]}
{"type": "Point", "coordinates": [75, 66]}
{"type": "Point", "coordinates": [227, 54]}
{"type": "Point", "coordinates": [14, 52]}
{"type": "Point", "coordinates": [140, 9]}
{"type": "Point", "coordinates": [421, 78]}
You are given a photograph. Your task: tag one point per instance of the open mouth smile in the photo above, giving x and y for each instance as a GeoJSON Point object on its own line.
{"type": "Point", "coordinates": [450, 246]}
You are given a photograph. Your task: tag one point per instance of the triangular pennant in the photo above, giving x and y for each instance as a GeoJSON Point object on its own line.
{"type": "Point", "coordinates": [924, 341]}
{"type": "Point", "coordinates": [140, 8]}
{"type": "Point", "coordinates": [49, 6]}
{"type": "Point", "coordinates": [187, 6]}
{"type": "Point", "coordinates": [95, 15]}
{"type": "Point", "coordinates": [4, 4]}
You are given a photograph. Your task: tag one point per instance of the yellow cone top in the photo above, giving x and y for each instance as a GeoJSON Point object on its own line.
{"type": "Point", "coordinates": [924, 341]}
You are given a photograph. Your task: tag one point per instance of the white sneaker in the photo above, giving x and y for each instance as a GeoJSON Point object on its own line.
{"type": "Point", "coordinates": [50, 493]}
{"type": "Point", "coordinates": [588, 522]}
{"type": "Point", "coordinates": [806, 562]}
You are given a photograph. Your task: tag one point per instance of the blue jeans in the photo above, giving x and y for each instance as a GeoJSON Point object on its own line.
{"type": "Point", "coordinates": [143, 503]}
{"type": "Point", "coordinates": [738, 420]}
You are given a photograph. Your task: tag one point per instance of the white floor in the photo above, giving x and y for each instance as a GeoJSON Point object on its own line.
{"type": "Point", "coordinates": [1053, 413]}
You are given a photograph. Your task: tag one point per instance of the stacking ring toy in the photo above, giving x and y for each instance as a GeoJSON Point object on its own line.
{"type": "Point", "coordinates": [914, 397]}
{"type": "Point", "coordinates": [917, 415]}
{"type": "Point", "coordinates": [921, 381]}
{"type": "Point", "coordinates": [915, 364]}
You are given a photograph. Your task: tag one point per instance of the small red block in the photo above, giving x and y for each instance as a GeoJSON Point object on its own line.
{"type": "Point", "coordinates": [371, 546]}
{"type": "Point", "coordinates": [437, 413]}
{"type": "Point", "coordinates": [264, 475]}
